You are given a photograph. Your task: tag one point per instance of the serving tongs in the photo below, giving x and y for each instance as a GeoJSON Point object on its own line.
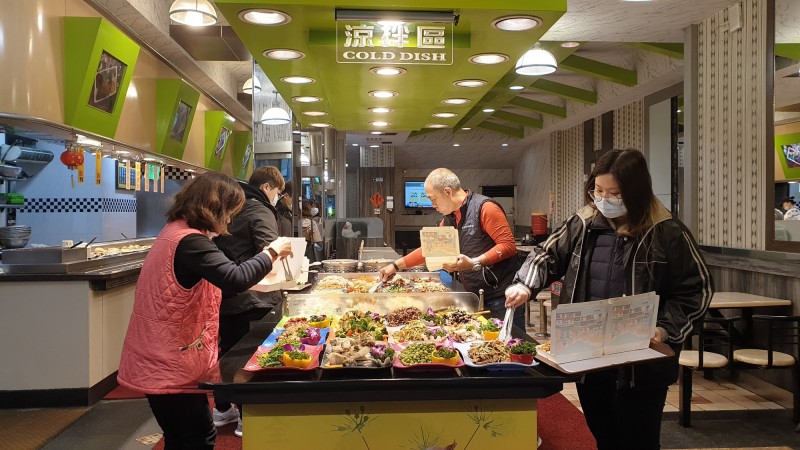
{"type": "Point", "coordinates": [508, 322]}
{"type": "Point", "coordinates": [287, 272]}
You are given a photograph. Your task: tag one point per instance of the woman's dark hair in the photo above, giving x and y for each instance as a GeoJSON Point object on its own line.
{"type": "Point", "coordinates": [208, 202]}
{"type": "Point", "coordinates": [787, 199]}
{"type": "Point", "coordinates": [629, 168]}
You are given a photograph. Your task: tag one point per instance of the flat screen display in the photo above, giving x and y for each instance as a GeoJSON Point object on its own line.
{"type": "Point", "coordinates": [415, 196]}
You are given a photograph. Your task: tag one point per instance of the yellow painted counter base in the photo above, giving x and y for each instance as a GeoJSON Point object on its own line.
{"type": "Point", "coordinates": [437, 425]}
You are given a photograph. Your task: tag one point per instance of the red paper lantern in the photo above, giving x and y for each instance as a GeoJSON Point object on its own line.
{"type": "Point", "coordinates": [72, 158]}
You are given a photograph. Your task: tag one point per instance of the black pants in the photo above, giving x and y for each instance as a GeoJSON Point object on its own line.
{"type": "Point", "coordinates": [621, 419]}
{"type": "Point", "coordinates": [497, 309]}
{"type": "Point", "coordinates": [185, 420]}
{"type": "Point", "coordinates": [231, 329]}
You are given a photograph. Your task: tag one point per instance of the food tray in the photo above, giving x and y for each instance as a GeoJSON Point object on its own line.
{"type": "Point", "coordinates": [426, 366]}
{"type": "Point", "coordinates": [252, 363]}
{"type": "Point", "coordinates": [463, 349]}
{"type": "Point", "coordinates": [433, 277]}
{"type": "Point", "coordinates": [326, 366]}
{"type": "Point", "coordinates": [338, 303]}
{"type": "Point", "coordinates": [272, 339]}
{"type": "Point", "coordinates": [339, 265]}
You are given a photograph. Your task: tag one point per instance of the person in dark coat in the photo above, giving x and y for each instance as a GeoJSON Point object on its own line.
{"type": "Point", "coordinates": [624, 242]}
{"type": "Point", "coordinates": [254, 228]}
{"type": "Point", "coordinates": [285, 214]}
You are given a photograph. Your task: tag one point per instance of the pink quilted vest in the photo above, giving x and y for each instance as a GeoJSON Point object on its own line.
{"type": "Point", "coordinates": [171, 344]}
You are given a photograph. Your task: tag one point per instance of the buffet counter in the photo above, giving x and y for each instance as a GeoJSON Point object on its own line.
{"type": "Point", "coordinates": [358, 407]}
{"type": "Point", "coordinates": [83, 298]}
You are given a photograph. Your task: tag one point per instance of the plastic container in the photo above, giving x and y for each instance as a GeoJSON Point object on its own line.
{"type": "Point", "coordinates": [538, 223]}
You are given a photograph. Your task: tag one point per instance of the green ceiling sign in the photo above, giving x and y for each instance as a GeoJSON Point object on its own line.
{"type": "Point", "coordinates": [242, 154]}
{"type": "Point", "coordinates": [98, 67]}
{"type": "Point", "coordinates": [219, 127]}
{"type": "Point", "coordinates": [176, 102]}
{"type": "Point", "coordinates": [394, 43]}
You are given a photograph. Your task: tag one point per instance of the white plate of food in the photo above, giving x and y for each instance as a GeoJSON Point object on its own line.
{"type": "Point", "coordinates": [489, 355]}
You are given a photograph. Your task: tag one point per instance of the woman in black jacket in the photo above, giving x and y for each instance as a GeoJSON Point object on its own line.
{"type": "Point", "coordinates": [623, 242]}
{"type": "Point", "coordinates": [285, 214]}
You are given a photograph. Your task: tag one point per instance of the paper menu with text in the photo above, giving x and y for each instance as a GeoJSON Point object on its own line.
{"type": "Point", "coordinates": [592, 329]}
{"type": "Point", "coordinates": [439, 246]}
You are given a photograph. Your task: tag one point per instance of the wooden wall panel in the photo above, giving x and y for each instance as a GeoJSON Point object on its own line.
{"type": "Point", "coordinates": [367, 186]}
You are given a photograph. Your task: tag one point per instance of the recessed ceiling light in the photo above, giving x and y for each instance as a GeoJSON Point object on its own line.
{"type": "Point", "coordinates": [470, 83]}
{"type": "Point", "coordinates": [517, 23]}
{"type": "Point", "coordinates": [435, 125]}
{"type": "Point", "coordinates": [455, 101]}
{"type": "Point", "coordinates": [445, 115]}
{"type": "Point", "coordinates": [379, 124]}
{"type": "Point", "coordinates": [296, 132]}
{"type": "Point", "coordinates": [488, 110]}
{"type": "Point", "coordinates": [517, 88]}
{"type": "Point", "coordinates": [355, 145]}
{"type": "Point", "coordinates": [374, 146]}
{"type": "Point", "coordinates": [488, 58]}
{"type": "Point", "coordinates": [297, 80]}
{"type": "Point", "coordinates": [264, 17]}
{"type": "Point", "coordinates": [383, 94]}
{"type": "Point", "coordinates": [504, 145]}
{"type": "Point", "coordinates": [388, 71]}
{"type": "Point", "coordinates": [320, 125]}
{"type": "Point", "coordinates": [380, 110]}
{"type": "Point", "coordinates": [376, 132]}
{"type": "Point", "coordinates": [314, 113]}
{"type": "Point", "coordinates": [284, 54]}
{"type": "Point", "coordinates": [456, 145]}
{"type": "Point", "coordinates": [570, 44]}
{"type": "Point", "coordinates": [466, 128]}
{"type": "Point", "coordinates": [306, 99]}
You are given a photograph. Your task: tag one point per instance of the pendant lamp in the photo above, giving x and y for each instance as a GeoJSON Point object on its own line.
{"type": "Point", "coordinates": [275, 115]}
{"type": "Point", "coordinates": [251, 86]}
{"type": "Point", "coordinates": [198, 13]}
{"type": "Point", "coordinates": [536, 61]}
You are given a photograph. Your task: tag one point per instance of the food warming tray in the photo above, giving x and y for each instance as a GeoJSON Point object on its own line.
{"type": "Point", "coordinates": [58, 260]}
{"type": "Point", "coordinates": [338, 303]}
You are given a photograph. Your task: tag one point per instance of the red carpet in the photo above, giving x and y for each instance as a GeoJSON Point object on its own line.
{"type": "Point", "coordinates": [122, 393]}
{"type": "Point", "coordinates": [561, 427]}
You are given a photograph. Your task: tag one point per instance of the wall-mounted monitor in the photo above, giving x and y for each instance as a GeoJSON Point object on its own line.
{"type": "Point", "coordinates": [414, 194]}
{"type": "Point", "coordinates": [787, 152]}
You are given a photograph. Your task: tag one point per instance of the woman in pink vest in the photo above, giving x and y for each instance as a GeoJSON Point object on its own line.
{"type": "Point", "coordinates": [171, 344]}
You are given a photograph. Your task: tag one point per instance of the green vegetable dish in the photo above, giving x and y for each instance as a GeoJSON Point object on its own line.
{"type": "Point", "coordinates": [418, 353]}
{"type": "Point", "coordinates": [272, 359]}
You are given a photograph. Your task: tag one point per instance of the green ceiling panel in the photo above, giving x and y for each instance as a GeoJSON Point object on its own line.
{"type": "Point", "coordinates": [673, 50]}
{"type": "Point", "coordinates": [344, 87]}
{"type": "Point", "coordinates": [515, 132]}
{"type": "Point", "coordinates": [545, 108]}
{"type": "Point", "coordinates": [98, 66]}
{"type": "Point", "coordinates": [517, 118]}
{"type": "Point", "coordinates": [601, 70]}
{"type": "Point", "coordinates": [565, 91]}
{"type": "Point", "coordinates": [219, 126]}
{"type": "Point", "coordinates": [791, 51]}
{"type": "Point", "coordinates": [176, 104]}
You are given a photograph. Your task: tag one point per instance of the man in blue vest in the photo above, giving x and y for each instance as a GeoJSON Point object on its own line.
{"type": "Point", "coordinates": [483, 233]}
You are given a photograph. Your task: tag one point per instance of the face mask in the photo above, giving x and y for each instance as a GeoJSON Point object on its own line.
{"type": "Point", "coordinates": [610, 211]}
{"type": "Point", "coordinates": [314, 211]}
{"type": "Point", "coordinates": [275, 200]}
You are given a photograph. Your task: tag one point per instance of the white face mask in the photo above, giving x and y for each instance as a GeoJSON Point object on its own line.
{"type": "Point", "coordinates": [609, 210]}
{"type": "Point", "coordinates": [275, 200]}
{"type": "Point", "coordinates": [314, 211]}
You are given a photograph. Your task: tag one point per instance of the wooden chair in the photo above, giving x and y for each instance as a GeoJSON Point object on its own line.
{"type": "Point", "coordinates": [714, 333]}
{"type": "Point", "coordinates": [783, 332]}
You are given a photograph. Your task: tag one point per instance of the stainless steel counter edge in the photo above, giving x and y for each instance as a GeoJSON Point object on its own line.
{"type": "Point", "coordinates": [101, 279]}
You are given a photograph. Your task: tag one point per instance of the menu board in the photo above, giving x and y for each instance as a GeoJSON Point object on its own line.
{"type": "Point", "coordinates": [439, 246]}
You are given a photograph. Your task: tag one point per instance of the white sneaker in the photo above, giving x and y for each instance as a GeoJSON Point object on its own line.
{"type": "Point", "coordinates": [226, 417]}
{"type": "Point", "coordinates": [238, 431]}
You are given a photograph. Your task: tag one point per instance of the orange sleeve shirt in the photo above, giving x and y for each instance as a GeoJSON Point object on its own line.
{"type": "Point", "coordinates": [495, 224]}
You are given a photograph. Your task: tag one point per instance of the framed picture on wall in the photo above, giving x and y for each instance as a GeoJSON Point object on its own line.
{"type": "Point", "coordinates": [178, 128]}
{"type": "Point", "coordinates": [222, 141]}
{"type": "Point", "coordinates": [107, 82]}
{"type": "Point", "coordinates": [122, 172]}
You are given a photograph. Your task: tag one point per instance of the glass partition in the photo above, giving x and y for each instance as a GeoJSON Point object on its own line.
{"type": "Point", "coordinates": [785, 216]}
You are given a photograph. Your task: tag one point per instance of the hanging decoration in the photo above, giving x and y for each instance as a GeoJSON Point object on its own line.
{"type": "Point", "coordinates": [73, 159]}
{"type": "Point", "coordinates": [98, 167]}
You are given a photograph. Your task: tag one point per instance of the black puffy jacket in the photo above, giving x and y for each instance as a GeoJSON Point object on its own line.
{"type": "Point", "coordinates": [251, 230]}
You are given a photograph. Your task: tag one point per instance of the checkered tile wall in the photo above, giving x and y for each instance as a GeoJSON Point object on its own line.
{"type": "Point", "coordinates": [70, 205]}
